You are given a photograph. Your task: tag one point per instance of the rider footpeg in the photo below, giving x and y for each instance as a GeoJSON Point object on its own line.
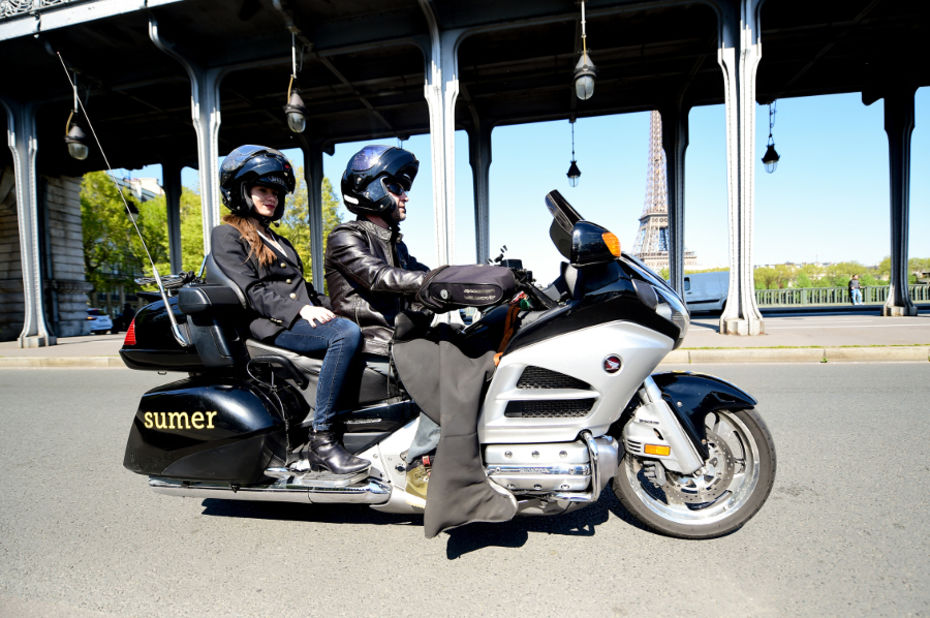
{"type": "Point", "coordinates": [316, 478]}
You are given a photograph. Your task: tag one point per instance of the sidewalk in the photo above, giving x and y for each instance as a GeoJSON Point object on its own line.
{"type": "Point", "coordinates": [787, 339]}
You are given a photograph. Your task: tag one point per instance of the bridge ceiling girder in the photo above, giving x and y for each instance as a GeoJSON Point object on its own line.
{"type": "Point", "coordinates": [362, 75]}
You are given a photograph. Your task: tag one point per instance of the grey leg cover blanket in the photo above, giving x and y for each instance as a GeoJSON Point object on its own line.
{"type": "Point", "coordinates": [448, 385]}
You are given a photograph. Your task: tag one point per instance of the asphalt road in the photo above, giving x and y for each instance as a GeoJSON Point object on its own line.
{"type": "Point", "coordinates": [844, 532]}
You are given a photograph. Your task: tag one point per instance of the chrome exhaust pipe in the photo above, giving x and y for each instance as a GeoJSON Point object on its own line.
{"type": "Point", "coordinates": [369, 491]}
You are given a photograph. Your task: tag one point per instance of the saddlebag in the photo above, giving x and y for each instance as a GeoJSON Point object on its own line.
{"type": "Point", "coordinates": [207, 429]}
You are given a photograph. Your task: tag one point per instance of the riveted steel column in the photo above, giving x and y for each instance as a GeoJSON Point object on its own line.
{"type": "Point", "coordinates": [479, 150]}
{"type": "Point", "coordinates": [313, 175]}
{"type": "Point", "coordinates": [441, 91]}
{"type": "Point", "coordinates": [205, 113]}
{"type": "Point", "coordinates": [21, 138]}
{"type": "Point", "coordinates": [171, 176]}
{"type": "Point", "coordinates": [675, 142]}
{"type": "Point", "coordinates": [899, 124]}
{"type": "Point", "coordinates": [738, 55]}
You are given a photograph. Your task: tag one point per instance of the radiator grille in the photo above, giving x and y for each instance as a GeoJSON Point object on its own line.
{"type": "Point", "coordinates": [537, 377]}
{"type": "Point", "coordinates": [556, 408]}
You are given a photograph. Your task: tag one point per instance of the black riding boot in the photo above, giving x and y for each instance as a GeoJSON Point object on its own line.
{"type": "Point", "coordinates": [326, 452]}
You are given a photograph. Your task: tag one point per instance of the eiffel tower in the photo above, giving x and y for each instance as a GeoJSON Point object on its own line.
{"type": "Point", "coordinates": [652, 239]}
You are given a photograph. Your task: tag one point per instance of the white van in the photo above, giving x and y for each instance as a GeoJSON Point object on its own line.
{"type": "Point", "coordinates": [706, 291]}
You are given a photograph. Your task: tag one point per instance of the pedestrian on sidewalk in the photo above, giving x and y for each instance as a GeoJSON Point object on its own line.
{"type": "Point", "coordinates": [855, 292]}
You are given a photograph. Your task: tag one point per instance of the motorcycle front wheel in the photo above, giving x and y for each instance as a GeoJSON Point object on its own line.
{"type": "Point", "coordinates": [716, 499]}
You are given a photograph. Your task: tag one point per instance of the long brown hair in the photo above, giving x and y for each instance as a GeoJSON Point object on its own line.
{"type": "Point", "coordinates": [248, 227]}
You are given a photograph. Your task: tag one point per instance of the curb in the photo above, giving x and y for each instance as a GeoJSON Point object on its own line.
{"type": "Point", "coordinates": [684, 356]}
{"type": "Point", "coordinates": [79, 362]}
{"type": "Point", "coordinates": [801, 355]}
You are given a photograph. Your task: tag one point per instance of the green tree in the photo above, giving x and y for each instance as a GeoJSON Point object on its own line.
{"type": "Point", "coordinates": [191, 230]}
{"type": "Point", "coordinates": [113, 252]}
{"type": "Point", "coordinates": [803, 280]}
{"type": "Point", "coordinates": [295, 224]}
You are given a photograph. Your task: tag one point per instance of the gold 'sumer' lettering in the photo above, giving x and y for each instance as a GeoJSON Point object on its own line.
{"type": "Point", "coordinates": [180, 420]}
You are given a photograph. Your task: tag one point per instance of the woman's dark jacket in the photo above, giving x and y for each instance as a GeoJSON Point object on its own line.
{"type": "Point", "coordinates": [368, 275]}
{"type": "Point", "coordinates": [276, 293]}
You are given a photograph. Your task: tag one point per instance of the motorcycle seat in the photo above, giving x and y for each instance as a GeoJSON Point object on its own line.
{"type": "Point", "coordinates": [307, 364]}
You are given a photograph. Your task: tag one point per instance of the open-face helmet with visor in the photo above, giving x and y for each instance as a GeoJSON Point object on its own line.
{"type": "Point", "coordinates": [370, 175]}
{"type": "Point", "coordinates": [250, 165]}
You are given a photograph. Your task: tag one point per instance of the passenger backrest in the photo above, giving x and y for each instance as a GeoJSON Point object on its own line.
{"type": "Point", "coordinates": [214, 274]}
{"type": "Point", "coordinates": [214, 319]}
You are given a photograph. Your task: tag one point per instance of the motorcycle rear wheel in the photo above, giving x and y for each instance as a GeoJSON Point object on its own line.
{"type": "Point", "coordinates": [717, 499]}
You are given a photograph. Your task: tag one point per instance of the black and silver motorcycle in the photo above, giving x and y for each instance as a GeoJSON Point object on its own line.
{"type": "Point", "coordinates": [572, 404]}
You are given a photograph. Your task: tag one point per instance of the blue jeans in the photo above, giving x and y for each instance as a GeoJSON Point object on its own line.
{"type": "Point", "coordinates": [856, 296]}
{"type": "Point", "coordinates": [341, 339]}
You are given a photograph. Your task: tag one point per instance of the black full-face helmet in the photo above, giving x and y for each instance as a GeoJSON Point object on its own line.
{"type": "Point", "coordinates": [364, 189]}
{"type": "Point", "coordinates": [250, 165]}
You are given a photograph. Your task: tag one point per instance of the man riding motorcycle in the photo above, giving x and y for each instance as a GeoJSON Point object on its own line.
{"type": "Point", "coordinates": [369, 272]}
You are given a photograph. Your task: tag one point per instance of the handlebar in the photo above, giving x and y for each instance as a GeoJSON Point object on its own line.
{"type": "Point", "coordinates": [525, 284]}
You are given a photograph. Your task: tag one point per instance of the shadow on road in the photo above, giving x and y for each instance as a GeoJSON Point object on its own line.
{"type": "Point", "coordinates": [461, 541]}
{"type": "Point", "coordinates": [321, 513]}
{"type": "Point", "coordinates": [515, 533]}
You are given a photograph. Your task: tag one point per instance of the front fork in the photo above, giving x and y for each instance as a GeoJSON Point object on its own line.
{"type": "Point", "coordinates": [655, 432]}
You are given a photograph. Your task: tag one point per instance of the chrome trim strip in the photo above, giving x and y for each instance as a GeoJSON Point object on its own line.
{"type": "Point", "coordinates": [530, 470]}
{"type": "Point", "coordinates": [372, 491]}
{"type": "Point", "coordinates": [595, 469]}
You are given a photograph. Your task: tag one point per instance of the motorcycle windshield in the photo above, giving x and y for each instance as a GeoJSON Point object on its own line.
{"type": "Point", "coordinates": [564, 218]}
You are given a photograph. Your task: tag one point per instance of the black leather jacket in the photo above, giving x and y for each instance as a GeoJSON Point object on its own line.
{"type": "Point", "coordinates": [369, 275]}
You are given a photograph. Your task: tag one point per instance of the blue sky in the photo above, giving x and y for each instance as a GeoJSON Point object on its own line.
{"type": "Point", "coordinates": [827, 201]}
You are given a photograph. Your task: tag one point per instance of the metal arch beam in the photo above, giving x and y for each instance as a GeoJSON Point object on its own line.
{"type": "Point", "coordinates": [324, 60]}
{"type": "Point", "coordinates": [313, 175]}
{"type": "Point", "coordinates": [479, 151]}
{"type": "Point", "coordinates": [23, 143]}
{"type": "Point", "coordinates": [738, 54]}
{"type": "Point", "coordinates": [171, 176]}
{"type": "Point", "coordinates": [441, 92]}
{"type": "Point", "coordinates": [205, 113]}
{"type": "Point", "coordinates": [675, 143]}
{"type": "Point", "coordinates": [479, 158]}
{"type": "Point", "coordinates": [899, 124]}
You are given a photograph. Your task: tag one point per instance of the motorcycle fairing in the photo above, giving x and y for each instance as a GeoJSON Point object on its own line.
{"type": "Point", "coordinates": [578, 354]}
{"type": "Point", "coordinates": [616, 301]}
{"type": "Point", "coordinates": [692, 396]}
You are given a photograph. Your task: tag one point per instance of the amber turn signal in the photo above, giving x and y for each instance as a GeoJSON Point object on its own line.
{"type": "Point", "coordinates": [612, 242]}
{"type": "Point", "coordinates": [657, 449]}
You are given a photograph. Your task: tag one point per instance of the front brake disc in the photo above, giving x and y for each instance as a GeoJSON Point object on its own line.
{"type": "Point", "coordinates": [710, 481]}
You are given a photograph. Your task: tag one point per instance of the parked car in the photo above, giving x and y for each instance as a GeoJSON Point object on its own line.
{"type": "Point", "coordinates": [97, 322]}
{"type": "Point", "coordinates": [707, 291]}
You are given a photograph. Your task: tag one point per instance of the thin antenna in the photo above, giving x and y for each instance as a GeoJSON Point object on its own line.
{"type": "Point", "coordinates": [175, 329]}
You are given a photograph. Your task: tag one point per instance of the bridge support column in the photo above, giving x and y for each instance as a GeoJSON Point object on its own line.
{"type": "Point", "coordinates": [675, 142]}
{"type": "Point", "coordinates": [441, 91]}
{"type": "Point", "coordinates": [738, 55]}
{"type": "Point", "coordinates": [899, 124]}
{"type": "Point", "coordinates": [479, 146]}
{"type": "Point", "coordinates": [205, 113]}
{"type": "Point", "coordinates": [23, 143]}
{"type": "Point", "coordinates": [313, 175]}
{"type": "Point", "coordinates": [171, 176]}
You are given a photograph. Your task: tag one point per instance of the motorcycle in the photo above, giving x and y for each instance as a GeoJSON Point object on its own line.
{"type": "Point", "coordinates": [572, 405]}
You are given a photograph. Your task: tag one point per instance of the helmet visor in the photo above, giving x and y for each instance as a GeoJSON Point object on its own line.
{"type": "Point", "coordinates": [394, 186]}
